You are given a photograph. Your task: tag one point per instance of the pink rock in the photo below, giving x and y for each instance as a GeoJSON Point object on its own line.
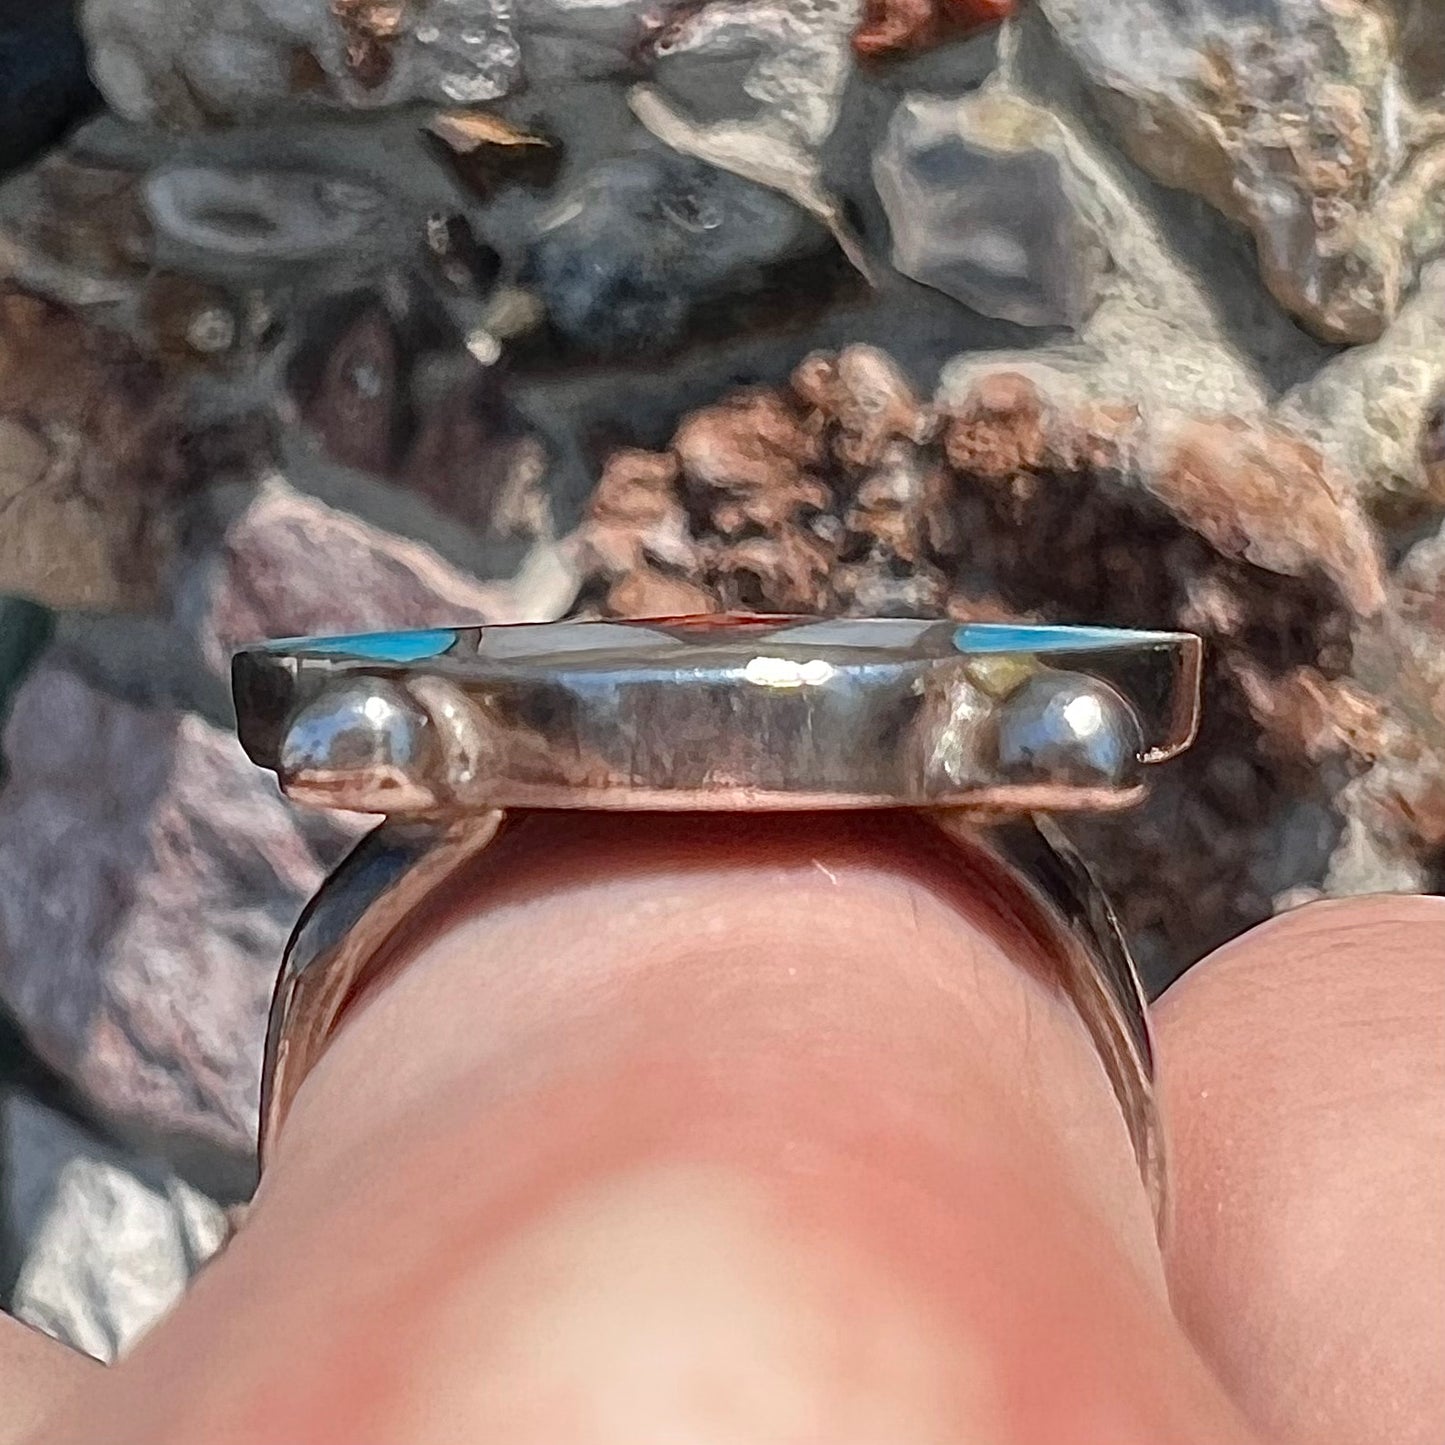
{"type": "Point", "coordinates": [290, 565]}
{"type": "Point", "coordinates": [149, 877]}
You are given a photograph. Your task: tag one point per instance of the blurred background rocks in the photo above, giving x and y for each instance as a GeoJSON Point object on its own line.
{"type": "Point", "coordinates": [343, 314]}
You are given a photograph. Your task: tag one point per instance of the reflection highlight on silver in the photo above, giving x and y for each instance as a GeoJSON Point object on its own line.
{"type": "Point", "coordinates": [359, 743]}
{"type": "Point", "coordinates": [1060, 727]}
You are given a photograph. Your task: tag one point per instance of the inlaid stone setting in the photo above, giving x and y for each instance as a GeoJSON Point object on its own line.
{"type": "Point", "coordinates": [719, 712]}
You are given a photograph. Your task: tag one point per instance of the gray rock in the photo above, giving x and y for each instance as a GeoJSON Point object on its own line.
{"type": "Point", "coordinates": [755, 89]}
{"type": "Point", "coordinates": [1290, 116]}
{"type": "Point", "coordinates": [1153, 339]}
{"type": "Point", "coordinates": [25, 629]}
{"type": "Point", "coordinates": [982, 206]}
{"type": "Point", "coordinates": [106, 1241]}
{"type": "Point", "coordinates": [569, 40]}
{"type": "Point", "coordinates": [625, 257]}
{"type": "Point", "coordinates": [189, 63]}
{"type": "Point", "coordinates": [260, 217]}
{"type": "Point", "coordinates": [1422, 46]}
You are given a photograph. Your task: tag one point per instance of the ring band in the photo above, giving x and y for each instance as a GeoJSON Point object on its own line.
{"type": "Point", "coordinates": [348, 935]}
{"type": "Point", "coordinates": [453, 733]}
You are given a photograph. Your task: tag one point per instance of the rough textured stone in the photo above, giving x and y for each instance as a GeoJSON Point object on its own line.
{"type": "Point", "coordinates": [817, 498]}
{"type": "Point", "coordinates": [260, 217]}
{"type": "Point", "coordinates": [442, 429]}
{"type": "Point", "coordinates": [565, 41]}
{"type": "Point", "coordinates": [1155, 335]}
{"type": "Point", "coordinates": [89, 461]}
{"type": "Point", "coordinates": [106, 1241]}
{"type": "Point", "coordinates": [190, 63]}
{"type": "Point", "coordinates": [1374, 411]}
{"type": "Point", "coordinates": [287, 565]}
{"type": "Point", "coordinates": [1291, 117]}
{"type": "Point", "coordinates": [625, 257]}
{"type": "Point", "coordinates": [982, 208]}
{"type": "Point", "coordinates": [796, 61]}
{"type": "Point", "coordinates": [843, 492]}
{"type": "Point", "coordinates": [889, 26]}
{"type": "Point", "coordinates": [25, 631]}
{"type": "Point", "coordinates": [1151, 392]}
{"type": "Point", "coordinates": [1422, 56]}
{"type": "Point", "coordinates": [438, 375]}
{"type": "Point", "coordinates": [1395, 811]}
{"type": "Point", "coordinates": [149, 877]}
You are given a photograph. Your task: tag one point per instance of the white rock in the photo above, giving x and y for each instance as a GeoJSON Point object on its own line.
{"type": "Point", "coordinates": [1291, 116]}
{"type": "Point", "coordinates": [108, 1241]}
{"type": "Point", "coordinates": [1370, 407]}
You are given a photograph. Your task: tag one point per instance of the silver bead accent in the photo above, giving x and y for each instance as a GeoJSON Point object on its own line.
{"type": "Point", "coordinates": [363, 744]}
{"type": "Point", "coordinates": [1064, 727]}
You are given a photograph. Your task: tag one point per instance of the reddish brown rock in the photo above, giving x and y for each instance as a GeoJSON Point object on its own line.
{"type": "Point", "coordinates": [1033, 499]}
{"type": "Point", "coordinates": [751, 461]}
{"type": "Point", "coordinates": [866, 400]}
{"type": "Point", "coordinates": [1304, 713]}
{"type": "Point", "coordinates": [905, 505]}
{"type": "Point", "coordinates": [1006, 427]}
{"type": "Point", "coordinates": [649, 592]}
{"type": "Point", "coordinates": [636, 518]}
{"type": "Point", "coordinates": [789, 571]}
{"type": "Point", "coordinates": [90, 461]}
{"type": "Point", "coordinates": [822, 497]}
{"type": "Point", "coordinates": [891, 26]}
{"type": "Point", "coordinates": [1252, 489]}
{"type": "Point", "coordinates": [1260, 493]}
{"type": "Point", "coordinates": [353, 403]}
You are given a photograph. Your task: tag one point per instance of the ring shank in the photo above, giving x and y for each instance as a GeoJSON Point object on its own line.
{"type": "Point", "coordinates": [348, 936]}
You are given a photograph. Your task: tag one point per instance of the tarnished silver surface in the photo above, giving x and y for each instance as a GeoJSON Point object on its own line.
{"type": "Point", "coordinates": [983, 729]}
{"type": "Point", "coordinates": [718, 713]}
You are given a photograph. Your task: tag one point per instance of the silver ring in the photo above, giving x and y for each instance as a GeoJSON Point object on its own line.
{"type": "Point", "coordinates": [986, 730]}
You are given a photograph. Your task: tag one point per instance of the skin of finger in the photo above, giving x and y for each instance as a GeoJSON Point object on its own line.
{"type": "Point", "coordinates": [1304, 1079]}
{"type": "Point", "coordinates": [784, 1145]}
{"type": "Point", "coordinates": [36, 1375]}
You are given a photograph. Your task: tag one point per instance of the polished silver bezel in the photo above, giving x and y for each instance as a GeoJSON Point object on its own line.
{"type": "Point", "coordinates": [719, 712]}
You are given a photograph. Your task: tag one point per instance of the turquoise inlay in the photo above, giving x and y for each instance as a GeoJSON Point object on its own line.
{"type": "Point", "coordinates": [1005, 637]}
{"type": "Point", "coordinates": [375, 646]}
